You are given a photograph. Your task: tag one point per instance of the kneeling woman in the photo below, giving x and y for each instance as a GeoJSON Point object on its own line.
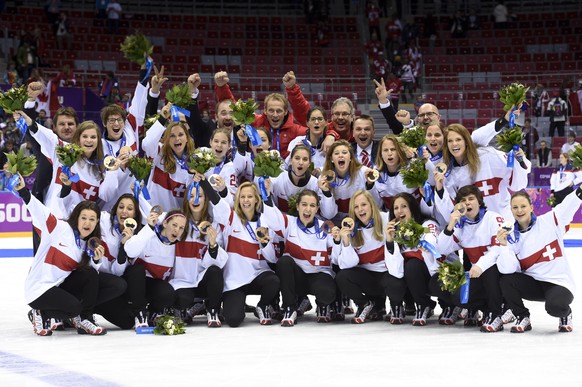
{"type": "Point", "coordinates": [247, 270]}
{"type": "Point", "coordinates": [305, 267]}
{"type": "Point", "coordinates": [154, 247]}
{"type": "Point", "coordinates": [534, 260]}
{"type": "Point", "coordinates": [63, 281]}
{"type": "Point", "coordinates": [361, 256]}
{"type": "Point", "coordinates": [200, 259]}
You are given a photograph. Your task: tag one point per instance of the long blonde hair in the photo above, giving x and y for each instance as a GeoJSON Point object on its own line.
{"type": "Point", "coordinates": [403, 160]}
{"type": "Point", "coordinates": [358, 238]}
{"type": "Point", "coordinates": [237, 208]}
{"type": "Point", "coordinates": [471, 156]}
{"type": "Point", "coordinates": [168, 159]}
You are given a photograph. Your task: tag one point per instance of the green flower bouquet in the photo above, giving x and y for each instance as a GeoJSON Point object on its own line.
{"type": "Point", "coordinates": [415, 173]}
{"type": "Point", "coordinates": [13, 99]}
{"type": "Point", "coordinates": [136, 48]}
{"type": "Point", "coordinates": [169, 325]}
{"type": "Point", "coordinates": [409, 233]}
{"type": "Point", "coordinates": [201, 160]}
{"type": "Point", "coordinates": [413, 137]}
{"type": "Point", "coordinates": [451, 276]}
{"type": "Point", "coordinates": [513, 94]}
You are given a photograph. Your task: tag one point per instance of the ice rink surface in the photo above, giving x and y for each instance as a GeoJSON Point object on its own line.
{"type": "Point", "coordinates": [308, 354]}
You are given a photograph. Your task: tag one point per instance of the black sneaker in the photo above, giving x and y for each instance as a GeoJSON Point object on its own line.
{"type": "Point", "coordinates": [397, 314]}
{"type": "Point", "coordinates": [450, 315]}
{"type": "Point", "coordinates": [347, 305]}
{"type": "Point", "coordinates": [422, 315]}
{"type": "Point", "coordinates": [304, 306]}
{"type": "Point", "coordinates": [493, 323]}
{"type": "Point", "coordinates": [337, 311]}
{"type": "Point", "coordinates": [566, 324]}
{"type": "Point", "coordinates": [473, 318]}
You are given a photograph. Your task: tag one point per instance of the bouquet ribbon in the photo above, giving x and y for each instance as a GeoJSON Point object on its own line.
{"type": "Point", "coordinates": [522, 107]}
{"type": "Point", "coordinates": [149, 65]}
{"type": "Point", "coordinates": [511, 156]}
{"type": "Point", "coordinates": [420, 149]}
{"type": "Point", "coordinates": [196, 185]}
{"type": "Point", "coordinates": [464, 295]}
{"type": "Point", "coordinates": [430, 248]}
{"type": "Point", "coordinates": [11, 184]}
{"type": "Point", "coordinates": [262, 187]}
{"type": "Point", "coordinates": [21, 125]}
{"type": "Point", "coordinates": [427, 192]}
{"type": "Point", "coordinates": [137, 189]}
{"type": "Point", "coordinates": [175, 110]}
{"type": "Point", "coordinates": [67, 171]}
{"type": "Point", "coordinates": [253, 135]}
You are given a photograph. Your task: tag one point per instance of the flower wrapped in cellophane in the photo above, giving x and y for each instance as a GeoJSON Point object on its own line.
{"type": "Point", "coordinates": [201, 160]}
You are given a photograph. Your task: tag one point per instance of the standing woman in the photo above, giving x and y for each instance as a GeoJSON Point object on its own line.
{"type": "Point", "coordinates": [362, 275]}
{"type": "Point", "coordinates": [534, 262]}
{"type": "Point", "coordinates": [170, 176]}
{"type": "Point", "coordinates": [349, 178]}
{"type": "Point", "coordinates": [415, 266]}
{"type": "Point", "coordinates": [154, 247]}
{"type": "Point", "coordinates": [390, 159]}
{"type": "Point", "coordinates": [63, 281]}
{"type": "Point", "coordinates": [220, 145]}
{"type": "Point", "coordinates": [305, 266]}
{"type": "Point", "coordinates": [562, 180]}
{"type": "Point", "coordinates": [295, 180]}
{"type": "Point", "coordinates": [313, 139]}
{"type": "Point", "coordinates": [200, 259]}
{"type": "Point", "coordinates": [247, 270]}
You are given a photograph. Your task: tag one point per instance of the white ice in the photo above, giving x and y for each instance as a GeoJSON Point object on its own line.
{"type": "Point", "coordinates": [339, 354]}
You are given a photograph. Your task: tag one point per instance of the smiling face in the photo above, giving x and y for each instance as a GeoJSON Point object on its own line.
{"type": "Point", "coordinates": [300, 162]}
{"type": "Point", "coordinates": [275, 112]}
{"type": "Point", "coordinates": [563, 159]}
{"type": "Point", "coordinates": [521, 209]}
{"type": "Point", "coordinates": [362, 209]}
{"type": "Point", "coordinates": [220, 145]}
{"type": "Point", "coordinates": [363, 132]}
{"type": "Point", "coordinates": [426, 114]}
{"type": "Point", "coordinates": [402, 210]}
{"type": "Point", "coordinates": [224, 115]}
{"type": "Point", "coordinates": [88, 220]}
{"type": "Point", "coordinates": [89, 140]}
{"type": "Point", "coordinates": [248, 201]}
{"type": "Point", "coordinates": [341, 159]}
{"type": "Point", "coordinates": [65, 127]}
{"type": "Point", "coordinates": [472, 204]}
{"type": "Point", "coordinates": [174, 227]}
{"type": "Point", "coordinates": [114, 126]}
{"type": "Point", "coordinates": [456, 145]}
{"type": "Point", "coordinates": [342, 116]}
{"type": "Point", "coordinates": [390, 155]}
{"type": "Point", "coordinates": [177, 140]}
{"type": "Point", "coordinates": [434, 139]}
{"type": "Point", "coordinates": [307, 208]}
{"type": "Point", "coordinates": [125, 209]}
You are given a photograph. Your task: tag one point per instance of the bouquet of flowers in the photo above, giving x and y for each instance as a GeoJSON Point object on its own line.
{"type": "Point", "coordinates": [201, 160]}
{"type": "Point", "coordinates": [409, 233]}
{"type": "Point", "coordinates": [451, 276]}
{"type": "Point", "coordinates": [244, 112]}
{"type": "Point", "coordinates": [180, 96]}
{"type": "Point", "coordinates": [292, 205]}
{"type": "Point", "coordinates": [509, 138]}
{"type": "Point", "coordinates": [13, 99]}
{"type": "Point", "coordinates": [513, 94]}
{"type": "Point", "coordinates": [139, 167]}
{"type": "Point", "coordinates": [136, 48]}
{"type": "Point", "coordinates": [413, 137]}
{"type": "Point", "coordinates": [551, 200]}
{"type": "Point", "coordinates": [20, 164]}
{"type": "Point", "coordinates": [268, 163]}
{"type": "Point", "coordinates": [150, 120]}
{"type": "Point", "coordinates": [576, 156]}
{"type": "Point", "coordinates": [169, 325]}
{"type": "Point", "coordinates": [69, 154]}
{"type": "Point", "coordinates": [415, 173]}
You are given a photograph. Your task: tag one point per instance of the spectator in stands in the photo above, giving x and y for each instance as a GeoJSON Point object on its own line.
{"type": "Point", "coordinates": [544, 156]}
{"type": "Point", "coordinates": [52, 9]}
{"type": "Point", "coordinates": [36, 75]}
{"type": "Point", "coordinates": [374, 46]}
{"type": "Point", "coordinates": [473, 22]}
{"type": "Point", "coordinates": [380, 65]}
{"type": "Point", "coordinates": [563, 178]}
{"type": "Point", "coordinates": [207, 120]}
{"type": "Point", "coordinates": [26, 148]}
{"type": "Point", "coordinates": [410, 32]}
{"type": "Point", "coordinates": [101, 7]}
{"type": "Point", "coordinates": [393, 32]}
{"type": "Point", "coordinates": [540, 100]}
{"type": "Point", "coordinates": [530, 133]}
{"type": "Point", "coordinates": [109, 81]}
{"type": "Point", "coordinates": [26, 59]}
{"type": "Point", "coordinates": [9, 146]}
{"type": "Point", "coordinates": [430, 31]}
{"type": "Point", "coordinates": [63, 27]}
{"type": "Point", "coordinates": [458, 26]}
{"type": "Point", "coordinates": [113, 16]}
{"type": "Point", "coordinates": [408, 79]}
{"type": "Point", "coordinates": [66, 78]}
{"type": "Point", "coordinates": [373, 13]}
{"type": "Point", "coordinates": [419, 102]}
{"type": "Point", "coordinates": [571, 144]}
{"type": "Point", "coordinates": [394, 84]}
{"type": "Point", "coordinates": [558, 111]}
{"type": "Point", "coordinates": [114, 98]}
{"type": "Point", "coordinates": [41, 119]}
{"type": "Point", "coordinates": [11, 77]}
{"type": "Point", "coordinates": [501, 15]}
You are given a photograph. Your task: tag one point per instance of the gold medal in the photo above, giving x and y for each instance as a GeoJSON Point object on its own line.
{"type": "Point", "coordinates": [329, 175]}
{"type": "Point", "coordinates": [157, 209]}
{"type": "Point", "coordinates": [130, 223]}
{"type": "Point", "coordinates": [461, 208]}
{"type": "Point", "coordinates": [441, 168]}
{"type": "Point", "coordinates": [203, 227]}
{"type": "Point", "coordinates": [348, 223]}
{"type": "Point", "coordinates": [372, 175]}
{"type": "Point", "coordinates": [109, 162]}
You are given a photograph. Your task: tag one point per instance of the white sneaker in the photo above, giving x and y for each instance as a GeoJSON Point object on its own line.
{"type": "Point", "coordinates": [86, 326]}
{"type": "Point", "coordinates": [40, 325]}
{"type": "Point", "coordinates": [522, 324]}
{"type": "Point", "coordinates": [363, 312]}
{"type": "Point", "coordinates": [141, 320]}
{"type": "Point", "coordinates": [422, 314]}
{"type": "Point", "coordinates": [397, 314]}
{"type": "Point", "coordinates": [213, 319]}
{"type": "Point", "coordinates": [450, 315]}
{"type": "Point", "coordinates": [508, 317]}
{"type": "Point", "coordinates": [566, 324]}
{"type": "Point", "coordinates": [290, 318]}
{"type": "Point", "coordinates": [264, 315]}
{"type": "Point", "coordinates": [492, 324]}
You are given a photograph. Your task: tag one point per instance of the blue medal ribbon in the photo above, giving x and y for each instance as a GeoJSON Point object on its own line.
{"type": "Point", "coordinates": [70, 175]}
{"type": "Point", "coordinates": [262, 187]}
{"type": "Point", "coordinates": [512, 118]}
{"type": "Point", "coordinates": [438, 156]}
{"type": "Point", "coordinates": [515, 238]}
{"type": "Point", "coordinates": [464, 220]}
{"type": "Point", "coordinates": [218, 168]}
{"type": "Point", "coordinates": [158, 229]}
{"type": "Point", "coordinates": [87, 250]}
{"type": "Point", "coordinates": [149, 65]}
{"type": "Point", "coordinates": [464, 295]}
{"type": "Point", "coordinates": [253, 135]}
{"type": "Point", "coordinates": [427, 192]}
{"type": "Point", "coordinates": [430, 248]}
{"type": "Point", "coordinates": [11, 184]}
{"type": "Point", "coordinates": [196, 185]}
{"type": "Point", "coordinates": [250, 229]}
{"type": "Point", "coordinates": [111, 152]}
{"type": "Point", "coordinates": [137, 189]}
{"type": "Point", "coordinates": [175, 110]}
{"type": "Point", "coordinates": [358, 226]}
{"type": "Point", "coordinates": [181, 161]}
{"type": "Point", "coordinates": [116, 225]}
{"type": "Point", "coordinates": [511, 156]}
{"type": "Point", "coordinates": [22, 126]}
{"type": "Point", "coordinates": [275, 133]}
{"type": "Point", "coordinates": [342, 182]}
{"type": "Point", "coordinates": [319, 233]}
{"type": "Point", "coordinates": [420, 149]}
{"type": "Point", "coordinates": [308, 145]}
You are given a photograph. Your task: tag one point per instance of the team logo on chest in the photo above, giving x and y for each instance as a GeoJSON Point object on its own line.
{"type": "Point", "coordinates": [548, 253]}
{"type": "Point", "coordinates": [488, 187]}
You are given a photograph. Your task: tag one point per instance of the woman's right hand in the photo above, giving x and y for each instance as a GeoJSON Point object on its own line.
{"type": "Point", "coordinates": [153, 218]}
{"type": "Point", "coordinates": [65, 179]}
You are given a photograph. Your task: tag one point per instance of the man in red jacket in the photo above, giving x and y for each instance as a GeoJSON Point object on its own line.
{"type": "Point", "coordinates": [275, 117]}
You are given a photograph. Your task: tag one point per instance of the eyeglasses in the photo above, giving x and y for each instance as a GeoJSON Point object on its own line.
{"type": "Point", "coordinates": [115, 120]}
{"type": "Point", "coordinates": [428, 114]}
{"type": "Point", "coordinates": [342, 114]}
{"type": "Point", "coordinates": [316, 119]}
